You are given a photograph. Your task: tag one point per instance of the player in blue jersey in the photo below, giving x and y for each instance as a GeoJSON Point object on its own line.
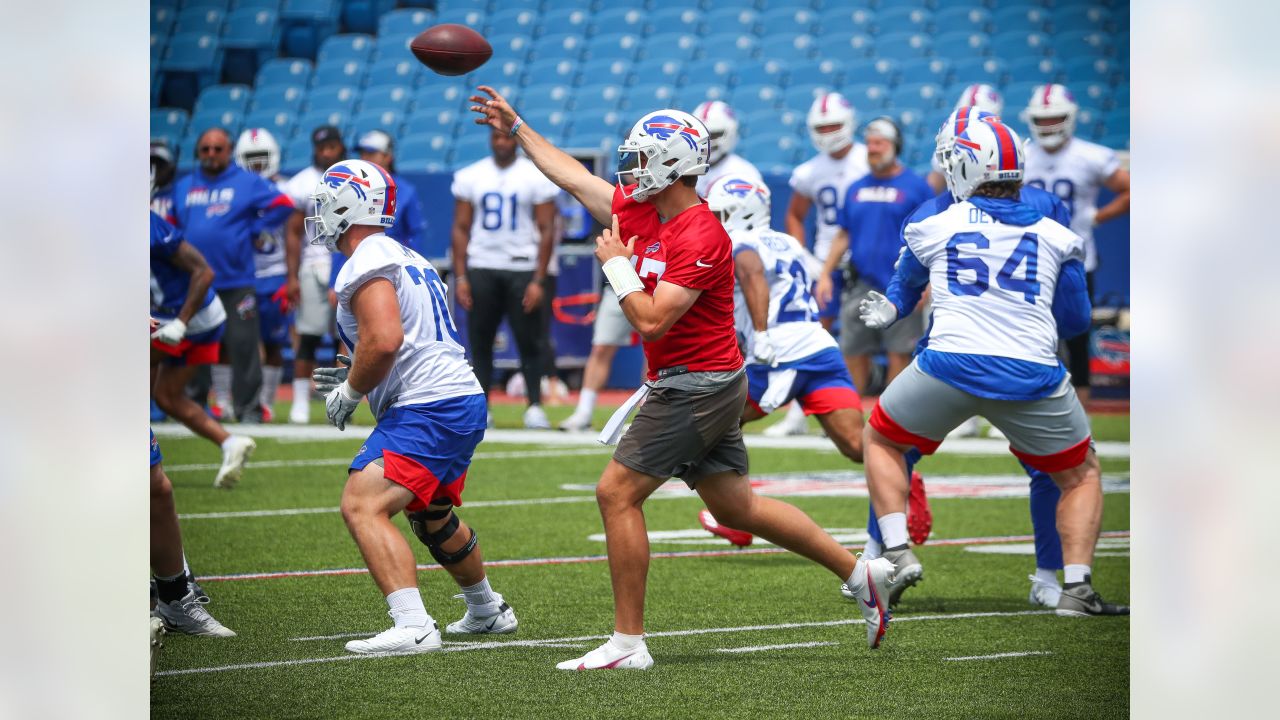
{"type": "Point", "coordinates": [191, 318]}
{"type": "Point", "coordinates": [1006, 283]}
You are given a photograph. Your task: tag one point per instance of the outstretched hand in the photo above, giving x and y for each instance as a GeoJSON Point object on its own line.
{"type": "Point", "coordinates": [494, 110]}
{"type": "Point", "coordinates": [609, 244]}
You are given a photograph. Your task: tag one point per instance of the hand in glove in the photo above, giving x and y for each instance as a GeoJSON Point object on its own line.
{"type": "Point", "coordinates": [762, 349]}
{"type": "Point", "coordinates": [876, 311]}
{"type": "Point", "coordinates": [340, 403]}
{"type": "Point", "coordinates": [327, 379]}
{"type": "Point", "coordinates": [171, 333]}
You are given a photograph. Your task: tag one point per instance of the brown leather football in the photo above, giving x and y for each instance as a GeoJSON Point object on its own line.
{"type": "Point", "coordinates": [451, 49]}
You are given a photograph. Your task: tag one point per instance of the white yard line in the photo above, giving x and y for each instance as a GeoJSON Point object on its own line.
{"type": "Point", "coordinates": [325, 462]}
{"type": "Point", "coordinates": [762, 648]}
{"type": "Point", "coordinates": [997, 656]}
{"type": "Point", "coordinates": [584, 638]}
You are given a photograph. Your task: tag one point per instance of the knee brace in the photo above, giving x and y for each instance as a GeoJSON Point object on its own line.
{"type": "Point", "coordinates": [307, 345]}
{"type": "Point", "coordinates": [434, 540]}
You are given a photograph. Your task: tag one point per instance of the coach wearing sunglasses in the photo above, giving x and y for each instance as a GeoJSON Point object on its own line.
{"type": "Point", "coordinates": [221, 208]}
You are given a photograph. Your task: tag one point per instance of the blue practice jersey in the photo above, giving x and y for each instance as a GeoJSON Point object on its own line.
{"type": "Point", "coordinates": [408, 216]}
{"type": "Point", "coordinates": [169, 283]}
{"type": "Point", "coordinates": [873, 214]}
{"type": "Point", "coordinates": [1046, 202]}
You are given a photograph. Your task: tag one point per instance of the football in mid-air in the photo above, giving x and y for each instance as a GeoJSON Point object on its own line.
{"type": "Point", "coordinates": [451, 49]}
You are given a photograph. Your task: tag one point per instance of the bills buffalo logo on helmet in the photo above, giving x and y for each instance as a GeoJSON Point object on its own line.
{"type": "Point", "coordinates": [741, 188]}
{"type": "Point", "coordinates": [663, 127]}
{"type": "Point", "coordinates": [341, 174]}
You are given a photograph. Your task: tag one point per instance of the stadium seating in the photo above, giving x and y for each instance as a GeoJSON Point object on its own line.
{"type": "Point", "coordinates": [679, 19]}
{"type": "Point", "coordinates": [979, 70]}
{"type": "Point", "coordinates": [672, 46]}
{"type": "Point", "coordinates": [1082, 17]}
{"type": "Point", "coordinates": [208, 4]}
{"type": "Point", "coordinates": [600, 96]}
{"type": "Point", "coordinates": [421, 152]}
{"type": "Point", "coordinates": [612, 46]}
{"type": "Point", "coordinates": [1075, 43]}
{"type": "Point", "coordinates": [855, 18]}
{"type": "Point", "coordinates": [169, 124]}
{"type": "Point", "coordinates": [304, 23]}
{"type": "Point", "coordinates": [386, 120]}
{"type": "Point", "coordinates": [612, 71]}
{"type": "Point", "coordinates": [279, 123]}
{"type": "Point", "coordinates": [1090, 69]}
{"type": "Point", "coordinates": [732, 21]}
{"type": "Point", "coordinates": [903, 45]}
{"type": "Point", "coordinates": [216, 98]}
{"type": "Point", "coordinates": [395, 98]}
{"type": "Point", "coordinates": [284, 71]}
{"type": "Point", "coordinates": [607, 122]}
{"type": "Point", "coordinates": [709, 70]}
{"type": "Point", "coordinates": [962, 19]}
{"type": "Point", "coordinates": [825, 71]}
{"type": "Point", "coordinates": [551, 70]}
{"type": "Point", "coordinates": [339, 72]}
{"type": "Point", "coordinates": [845, 45]}
{"type": "Point", "coordinates": [272, 5]}
{"type": "Point", "coordinates": [620, 20]}
{"type": "Point", "coordinates": [550, 96]}
{"type": "Point", "coordinates": [409, 21]}
{"type": "Point", "coordinates": [790, 47]}
{"type": "Point", "coordinates": [513, 21]}
{"type": "Point", "coordinates": [559, 46]}
{"type": "Point", "coordinates": [394, 71]}
{"type": "Point", "coordinates": [567, 20]}
{"type": "Point", "coordinates": [278, 98]}
{"type": "Point", "coordinates": [922, 96]}
{"type": "Point", "coordinates": [1022, 18]}
{"type": "Point", "coordinates": [468, 149]}
{"type": "Point", "coordinates": [352, 47]}
{"type": "Point", "coordinates": [657, 70]}
{"type": "Point", "coordinates": [1017, 95]}
{"type": "Point", "coordinates": [514, 46]}
{"type": "Point", "coordinates": [759, 95]}
{"type": "Point", "coordinates": [962, 44]}
{"type": "Point", "coordinates": [643, 97]}
{"type": "Point", "coordinates": [296, 153]}
{"type": "Point", "coordinates": [331, 98]}
{"type": "Point", "coordinates": [868, 97]}
{"type": "Point", "coordinates": [904, 19]}
{"type": "Point", "coordinates": [1018, 42]}
{"type": "Point", "coordinates": [793, 20]}
{"type": "Point", "coordinates": [199, 20]}
{"type": "Point", "coordinates": [230, 120]}
{"type": "Point", "coordinates": [1039, 69]}
{"type": "Point", "coordinates": [927, 70]}
{"type": "Point", "coordinates": [250, 37]}
{"type": "Point", "coordinates": [760, 71]}
{"type": "Point", "coordinates": [191, 62]}
{"type": "Point", "coordinates": [799, 96]}
{"type": "Point", "coordinates": [694, 93]}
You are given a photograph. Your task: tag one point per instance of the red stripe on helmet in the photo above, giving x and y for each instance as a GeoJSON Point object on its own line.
{"type": "Point", "coordinates": [1047, 89]}
{"type": "Point", "coordinates": [973, 94]}
{"type": "Point", "coordinates": [1007, 148]}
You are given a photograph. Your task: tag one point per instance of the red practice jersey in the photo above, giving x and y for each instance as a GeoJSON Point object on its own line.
{"type": "Point", "coordinates": [691, 250]}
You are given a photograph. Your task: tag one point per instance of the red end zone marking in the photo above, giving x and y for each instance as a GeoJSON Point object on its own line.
{"type": "Point", "coordinates": [602, 558]}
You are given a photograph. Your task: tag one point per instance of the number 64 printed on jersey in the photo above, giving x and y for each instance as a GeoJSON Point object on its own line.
{"type": "Point", "coordinates": [1028, 250]}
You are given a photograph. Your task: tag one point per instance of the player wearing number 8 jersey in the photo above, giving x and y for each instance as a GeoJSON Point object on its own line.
{"type": "Point", "coordinates": [429, 407]}
{"type": "Point", "coordinates": [1006, 282]}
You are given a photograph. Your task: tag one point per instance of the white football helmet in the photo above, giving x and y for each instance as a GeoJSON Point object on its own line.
{"type": "Point", "coordinates": [955, 124]}
{"type": "Point", "coordinates": [831, 109]}
{"type": "Point", "coordinates": [988, 151]}
{"type": "Point", "coordinates": [1050, 102]}
{"type": "Point", "coordinates": [662, 147]}
{"type": "Point", "coordinates": [258, 151]}
{"type": "Point", "coordinates": [723, 126]}
{"type": "Point", "coordinates": [984, 97]}
{"type": "Point", "coordinates": [740, 204]}
{"type": "Point", "coordinates": [351, 192]}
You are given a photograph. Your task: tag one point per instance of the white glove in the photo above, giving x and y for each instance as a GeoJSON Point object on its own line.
{"type": "Point", "coordinates": [876, 312]}
{"type": "Point", "coordinates": [762, 349]}
{"type": "Point", "coordinates": [327, 379]}
{"type": "Point", "coordinates": [170, 333]}
{"type": "Point", "coordinates": [340, 403]}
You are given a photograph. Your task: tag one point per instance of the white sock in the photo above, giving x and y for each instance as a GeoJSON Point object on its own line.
{"type": "Point", "coordinates": [270, 383]}
{"type": "Point", "coordinates": [872, 550]}
{"type": "Point", "coordinates": [622, 641]}
{"type": "Point", "coordinates": [221, 385]}
{"type": "Point", "coordinates": [301, 391]}
{"type": "Point", "coordinates": [586, 402]}
{"type": "Point", "coordinates": [893, 528]}
{"type": "Point", "coordinates": [795, 413]}
{"type": "Point", "coordinates": [480, 595]}
{"type": "Point", "coordinates": [407, 609]}
{"type": "Point", "coordinates": [1049, 576]}
{"type": "Point", "coordinates": [1075, 573]}
{"type": "Point", "coordinates": [186, 569]}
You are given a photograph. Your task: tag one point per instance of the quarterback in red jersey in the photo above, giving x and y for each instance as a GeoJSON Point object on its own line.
{"type": "Point", "coordinates": [670, 262]}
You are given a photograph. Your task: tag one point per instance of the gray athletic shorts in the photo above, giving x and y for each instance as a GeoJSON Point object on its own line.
{"type": "Point", "coordinates": [858, 339]}
{"type": "Point", "coordinates": [1049, 434]}
{"type": "Point", "coordinates": [314, 313]}
{"type": "Point", "coordinates": [611, 326]}
{"type": "Point", "coordinates": [689, 427]}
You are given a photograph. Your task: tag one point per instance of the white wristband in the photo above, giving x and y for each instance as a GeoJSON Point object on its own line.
{"type": "Point", "coordinates": [622, 277]}
{"type": "Point", "coordinates": [350, 393]}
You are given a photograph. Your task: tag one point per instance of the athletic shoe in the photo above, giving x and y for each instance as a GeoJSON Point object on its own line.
{"type": "Point", "coordinates": [789, 425]}
{"type": "Point", "coordinates": [536, 419]}
{"type": "Point", "coordinates": [608, 657]}
{"type": "Point", "coordinates": [740, 538]}
{"type": "Point", "coordinates": [157, 641]}
{"type": "Point", "coordinates": [267, 414]}
{"type": "Point", "coordinates": [919, 516]}
{"type": "Point", "coordinates": [1080, 600]}
{"type": "Point", "coordinates": [966, 429]}
{"type": "Point", "coordinates": [189, 617]}
{"type": "Point", "coordinates": [235, 453]}
{"type": "Point", "coordinates": [300, 413]}
{"type": "Point", "coordinates": [222, 413]}
{"type": "Point", "coordinates": [400, 641]}
{"type": "Point", "coordinates": [576, 423]}
{"type": "Point", "coordinates": [907, 572]}
{"type": "Point", "coordinates": [871, 599]}
{"type": "Point", "coordinates": [1044, 592]}
{"type": "Point", "coordinates": [194, 586]}
{"type": "Point", "coordinates": [500, 623]}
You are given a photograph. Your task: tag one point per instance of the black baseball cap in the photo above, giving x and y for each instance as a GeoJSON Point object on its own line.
{"type": "Point", "coordinates": [324, 134]}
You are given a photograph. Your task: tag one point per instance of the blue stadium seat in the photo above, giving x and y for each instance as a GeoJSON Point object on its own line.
{"type": "Point", "coordinates": [962, 19]}
{"type": "Point", "coordinates": [611, 46]}
{"type": "Point", "coordinates": [829, 72]}
{"type": "Point", "coordinates": [926, 70]}
{"type": "Point", "coordinates": [190, 63]}
{"type": "Point", "coordinates": [777, 151]}
{"type": "Point", "coordinates": [845, 45]}
{"type": "Point", "coordinates": [386, 97]}
{"type": "Point", "coordinates": [732, 20]}
{"type": "Point", "coordinates": [677, 19]}
{"type": "Point", "coordinates": [339, 72]}
{"type": "Point", "coordinates": [546, 96]}
{"type": "Point", "coordinates": [1116, 121]}
{"type": "Point", "coordinates": [769, 120]}
{"type": "Point", "coordinates": [725, 46]}
{"type": "Point", "coordinates": [386, 120]}
{"type": "Point", "coordinates": [719, 71]}
{"type": "Point", "coordinates": [919, 96]}
{"type": "Point", "coordinates": [256, 29]}
{"type": "Point", "coordinates": [1090, 18]}
{"type": "Point", "coordinates": [561, 46]}
{"type": "Point", "coordinates": [504, 72]}
{"type": "Point", "coordinates": [1097, 94]}
{"type": "Point", "coordinates": [217, 98]}
{"type": "Point", "coordinates": [296, 154]}
{"type": "Point", "coordinates": [886, 70]}
{"type": "Point", "coordinates": [549, 123]}
{"type": "Point", "coordinates": [1089, 121]}
{"type": "Point", "coordinates": [1020, 42]}
{"type": "Point", "coordinates": [657, 70]}
{"type": "Point", "coordinates": [279, 123]}
{"type": "Point", "coordinates": [1081, 42]}
{"type": "Point", "coordinates": [278, 98]}
{"type": "Point", "coordinates": [199, 20]}
{"type": "Point", "coordinates": [533, 5]}
{"type": "Point", "coordinates": [856, 18]}
{"type": "Point", "coordinates": [791, 20]}
{"type": "Point", "coordinates": [470, 148]}
{"type": "Point", "coordinates": [342, 98]}
{"type": "Point", "coordinates": [471, 17]}
{"type": "Point", "coordinates": [272, 5]}
{"type": "Point", "coordinates": [940, 5]}
{"type": "Point", "coordinates": [788, 47]}
{"type": "Point", "coordinates": [799, 96]}
{"type": "Point", "coordinates": [563, 20]}
{"type": "Point", "coordinates": [991, 71]}
{"type": "Point", "coordinates": [643, 97]}
{"type": "Point", "coordinates": [169, 123]}
{"type": "Point", "coordinates": [284, 71]}
{"type": "Point", "coordinates": [614, 71]}
{"type": "Point", "coordinates": [305, 23]}
{"type": "Point", "coordinates": [617, 21]}
{"type": "Point", "coordinates": [694, 93]}
{"type": "Point", "coordinates": [757, 95]}
{"type": "Point", "coordinates": [512, 21]}
{"type": "Point", "coordinates": [433, 120]}
{"type": "Point", "coordinates": [229, 119]}
{"type": "Point", "coordinates": [394, 71]}
{"type": "Point", "coordinates": [917, 124]}
{"type": "Point", "coordinates": [601, 96]}
{"type": "Point", "coordinates": [361, 16]}
{"type": "Point", "coordinates": [1120, 98]}
{"type": "Point", "coordinates": [423, 152]}
{"type": "Point", "coordinates": [600, 121]}
{"type": "Point", "coordinates": [900, 19]}
{"type": "Point", "coordinates": [1039, 69]}
{"type": "Point", "coordinates": [867, 97]}
{"type": "Point", "coordinates": [213, 4]}
{"type": "Point", "coordinates": [513, 46]}
{"type": "Point", "coordinates": [442, 95]}
{"type": "Point", "coordinates": [757, 71]}
{"type": "Point", "coordinates": [553, 69]}
{"type": "Point", "coordinates": [962, 44]}
{"type": "Point", "coordinates": [672, 46]}
{"type": "Point", "coordinates": [588, 139]}
{"type": "Point", "coordinates": [162, 18]}
{"type": "Point", "coordinates": [351, 46]}
{"type": "Point", "coordinates": [1017, 96]}
{"type": "Point", "coordinates": [405, 21]}
{"type": "Point", "coordinates": [311, 120]}
{"type": "Point", "coordinates": [1022, 18]}
{"type": "Point", "coordinates": [1081, 70]}
{"type": "Point", "coordinates": [903, 46]}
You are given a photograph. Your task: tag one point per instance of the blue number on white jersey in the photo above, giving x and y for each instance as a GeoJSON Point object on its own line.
{"type": "Point", "coordinates": [797, 305]}
{"type": "Point", "coordinates": [828, 205]}
{"type": "Point", "coordinates": [1063, 188]}
{"type": "Point", "coordinates": [494, 208]}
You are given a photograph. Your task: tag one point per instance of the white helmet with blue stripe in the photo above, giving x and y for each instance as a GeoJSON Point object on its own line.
{"type": "Point", "coordinates": [956, 123]}
{"type": "Point", "coordinates": [740, 204]}
{"type": "Point", "coordinates": [985, 152]}
{"type": "Point", "coordinates": [351, 192]}
{"type": "Point", "coordinates": [661, 148]}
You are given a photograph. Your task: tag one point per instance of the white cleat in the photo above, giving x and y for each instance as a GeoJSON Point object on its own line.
{"type": "Point", "coordinates": [500, 623]}
{"type": "Point", "coordinates": [157, 641]}
{"type": "Point", "coordinates": [1044, 592]}
{"type": "Point", "coordinates": [871, 580]}
{"type": "Point", "coordinates": [536, 419]}
{"type": "Point", "coordinates": [789, 425]}
{"type": "Point", "coordinates": [189, 617]}
{"type": "Point", "coordinates": [400, 641]}
{"type": "Point", "coordinates": [966, 429]}
{"type": "Point", "coordinates": [608, 657]}
{"type": "Point", "coordinates": [576, 423]}
{"type": "Point", "coordinates": [235, 453]}
{"type": "Point", "coordinates": [300, 413]}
